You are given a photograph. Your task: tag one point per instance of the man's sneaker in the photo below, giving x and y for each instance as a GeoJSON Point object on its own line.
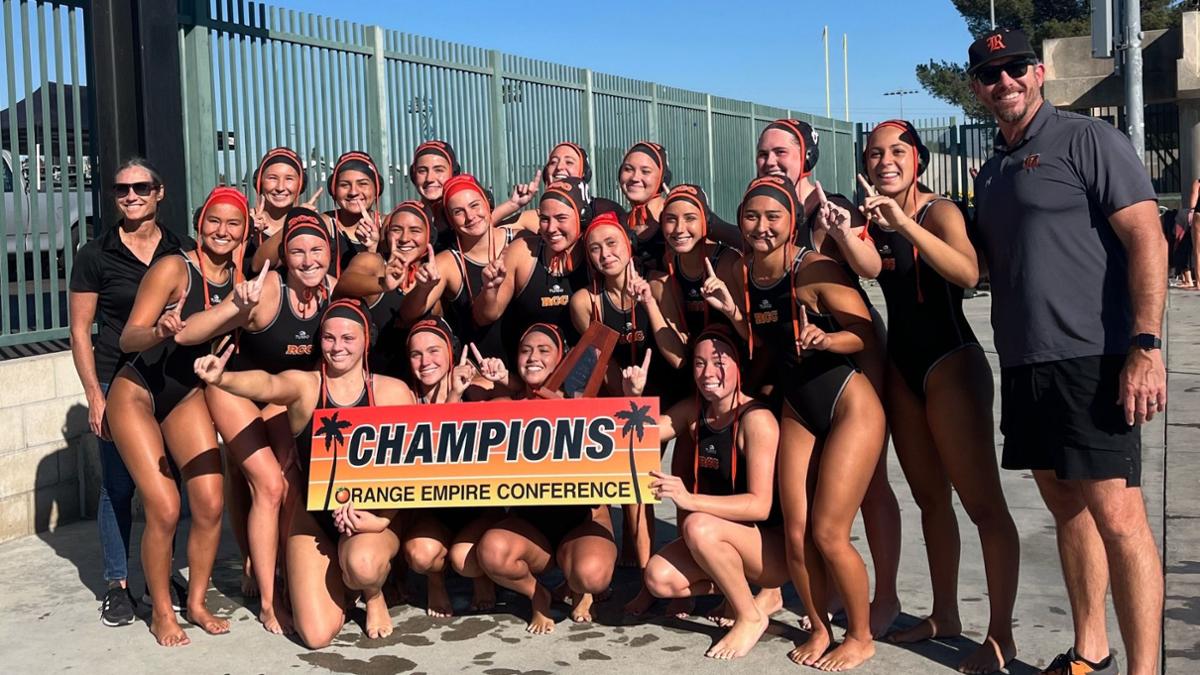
{"type": "Point", "coordinates": [117, 608]}
{"type": "Point", "coordinates": [1070, 663]}
{"type": "Point", "coordinates": [174, 587]}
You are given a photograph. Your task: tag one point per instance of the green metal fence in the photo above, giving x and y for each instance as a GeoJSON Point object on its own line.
{"type": "Point", "coordinates": [260, 76]}
{"type": "Point", "coordinates": [47, 201]}
{"type": "Point", "coordinates": [256, 76]}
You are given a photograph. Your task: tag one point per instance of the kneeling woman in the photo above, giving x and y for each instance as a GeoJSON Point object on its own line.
{"type": "Point", "coordinates": [329, 554]}
{"type": "Point", "coordinates": [159, 398]}
{"type": "Point", "coordinates": [433, 535]}
{"type": "Point", "coordinates": [722, 482]}
{"type": "Point", "coordinates": [806, 319]}
{"type": "Point", "coordinates": [530, 540]}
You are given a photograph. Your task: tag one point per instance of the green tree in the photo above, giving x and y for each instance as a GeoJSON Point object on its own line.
{"type": "Point", "coordinates": [1041, 20]}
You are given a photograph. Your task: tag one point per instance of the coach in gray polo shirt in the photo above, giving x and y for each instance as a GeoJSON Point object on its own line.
{"type": "Point", "coordinates": [1068, 224]}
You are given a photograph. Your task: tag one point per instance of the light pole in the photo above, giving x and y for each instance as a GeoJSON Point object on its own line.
{"type": "Point", "coordinates": [901, 93]}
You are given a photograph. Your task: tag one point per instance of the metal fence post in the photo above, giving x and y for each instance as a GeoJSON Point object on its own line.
{"type": "Point", "coordinates": [956, 179]}
{"type": "Point", "coordinates": [499, 124]}
{"type": "Point", "coordinates": [712, 165]}
{"type": "Point", "coordinates": [588, 112]}
{"type": "Point", "coordinates": [379, 144]}
{"type": "Point", "coordinates": [654, 113]}
{"type": "Point", "coordinates": [200, 136]}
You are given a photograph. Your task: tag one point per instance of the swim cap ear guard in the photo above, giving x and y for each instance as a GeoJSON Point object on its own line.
{"type": "Point", "coordinates": [908, 134]}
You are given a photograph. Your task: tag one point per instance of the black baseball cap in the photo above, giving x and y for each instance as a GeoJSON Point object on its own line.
{"type": "Point", "coordinates": [998, 44]}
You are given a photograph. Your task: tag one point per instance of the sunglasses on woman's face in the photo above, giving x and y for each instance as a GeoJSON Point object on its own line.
{"type": "Point", "coordinates": [141, 189]}
{"type": "Point", "coordinates": [990, 75]}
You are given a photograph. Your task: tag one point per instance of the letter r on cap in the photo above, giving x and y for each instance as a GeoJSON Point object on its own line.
{"type": "Point", "coordinates": [995, 43]}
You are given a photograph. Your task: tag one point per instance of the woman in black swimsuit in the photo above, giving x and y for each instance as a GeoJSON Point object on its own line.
{"type": "Point", "coordinates": [382, 280]}
{"type": "Point", "coordinates": [160, 399]}
{"type": "Point", "coordinates": [276, 315]}
{"type": "Point", "coordinates": [722, 481]}
{"type": "Point", "coordinates": [790, 148]}
{"type": "Point", "coordinates": [450, 285]}
{"type": "Point", "coordinates": [533, 281]}
{"type": "Point", "coordinates": [623, 301]}
{"type": "Point", "coordinates": [939, 389]}
{"type": "Point", "coordinates": [442, 373]}
{"type": "Point", "coordinates": [802, 319]}
{"type": "Point", "coordinates": [531, 540]}
{"type": "Point", "coordinates": [329, 554]}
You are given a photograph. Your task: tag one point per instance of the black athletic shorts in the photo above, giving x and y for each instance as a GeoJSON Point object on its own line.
{"type": "Point", "coordinates": [1064, 415]}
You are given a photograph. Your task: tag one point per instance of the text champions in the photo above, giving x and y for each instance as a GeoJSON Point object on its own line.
{"type": "Point", "coordinates": [498, 453]}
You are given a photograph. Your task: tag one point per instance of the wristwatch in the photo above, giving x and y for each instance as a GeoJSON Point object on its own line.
{"type": "Point", "coordinates": [1147, 341]}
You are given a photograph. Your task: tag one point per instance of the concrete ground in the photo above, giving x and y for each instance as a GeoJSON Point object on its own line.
{"type": "Point", "coordinates": [49, 620]}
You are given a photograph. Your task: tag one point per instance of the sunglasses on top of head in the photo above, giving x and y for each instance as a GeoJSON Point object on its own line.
{"type": "Point", "coordinates": [141, 188]}
{"type": "Point", "coordinates": [990, 75]}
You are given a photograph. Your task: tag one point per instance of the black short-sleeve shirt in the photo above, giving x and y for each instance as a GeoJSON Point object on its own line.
{"type": "Point", "coordinates": [107, 267]}
{"type": "Point", "coordinates": [1058, 271]}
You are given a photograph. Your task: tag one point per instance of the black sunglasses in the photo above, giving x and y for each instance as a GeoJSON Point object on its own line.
{"type": "Point", "coordinates": [141, 189]}
{"type": "Point", "coordinates": [990, 75]}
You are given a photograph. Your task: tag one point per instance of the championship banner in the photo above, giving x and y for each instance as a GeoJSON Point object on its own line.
{"type": "Point", "coordinates": [496, 453]}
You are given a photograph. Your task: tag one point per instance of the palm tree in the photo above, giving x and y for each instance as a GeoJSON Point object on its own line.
{"type": "Point", "coordinates": [635, 423]}
{"type": "Point", "coordinates": [331, 430]}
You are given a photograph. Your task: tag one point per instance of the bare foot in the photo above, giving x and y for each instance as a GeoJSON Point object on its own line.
{"type": "Point", "coordinates": [852, 653]}
{"type": "Point", "coordinates": [581, 607]}
{"type": "Point", "coordinates": [437, 602]}
{"type": "Point", "coordinates": [379, 622]}
{"type": "Point", "coordinates": [483, 594]}
{"type": "Point", "coordinates": [883, 615]}
{"type": "Point", "coordinates": [166, 629]}
{"type": "Point", "coordinates": [200, 616]}
{"type": "Point", "coordinates": [812, 649]}
{"type": "Point", "coordinates": [740, 639]}
{"type": "Point", "coordinates": [276, 619]}
{"type": "Point", "coordinates": [249, 584]}
{"type": "Point", "coordinates": [680, 608]}
{"type": "Point", "coordinates": [640, 603]}
{"type": "Point", "coordinates": [928, 628]}
{"type": "Point", "coordinates": [991, 656]}
{"type": "Point", "coordinates": [540, 622]}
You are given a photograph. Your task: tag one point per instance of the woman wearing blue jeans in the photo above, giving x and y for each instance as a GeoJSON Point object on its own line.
{"type": "Point", "coordinates": [104, 282]}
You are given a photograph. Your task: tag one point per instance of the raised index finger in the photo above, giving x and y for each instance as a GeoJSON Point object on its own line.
{"type": "Point", "coordinates": [475, 353]}
{"type": "Point", "coordinates": [708, 268]}
{"type": "Point", "coordinates": [646, 359]}
{"type": "Point", "coordinates": [821, 194]}
{"type": "Point", "coordinates": [866, 186]}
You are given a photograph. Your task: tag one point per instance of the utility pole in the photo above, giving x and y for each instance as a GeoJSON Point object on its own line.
{"type": "Point", "coordinates": [901, 93]}
{"type": "Point", "coordinates": [825, 39]}
{"type": "Point", "coordinates": [846, 72]}
{"type": "Point", "coordinates": [1134, 102]}
{"type": "Point", "coordinates": [992, 5]}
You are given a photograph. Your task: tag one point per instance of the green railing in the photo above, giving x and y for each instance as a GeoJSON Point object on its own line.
{"type": "Point", "coordinates": [260, 76]}
{"type": "Point", "coordinates": [256, 76]}
{"type": "Point", "coordinates": [47, 201]}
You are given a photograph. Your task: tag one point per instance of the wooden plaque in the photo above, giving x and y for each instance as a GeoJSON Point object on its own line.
{"type": "Point", "coordinates": [582, 373]}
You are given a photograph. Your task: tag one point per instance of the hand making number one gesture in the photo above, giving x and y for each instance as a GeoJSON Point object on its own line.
{"type": "Point", "coordinates": [211, 367]}
{"type": "Point", "coordinates": [171, 321]}
{"type": "Point", "coordinates": [633, 378]}
{"type": "Point", "coordinates": [249, 292]}
{"type": "Point", "coordinates": [715, 292]}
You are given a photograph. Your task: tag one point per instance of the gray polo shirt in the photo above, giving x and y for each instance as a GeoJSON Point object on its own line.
{"type": "Point", "coordinates": [1059, 277]}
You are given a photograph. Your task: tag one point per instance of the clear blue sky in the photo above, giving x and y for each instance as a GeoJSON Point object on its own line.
{"type": "Point", "coordinates": [765, 52]}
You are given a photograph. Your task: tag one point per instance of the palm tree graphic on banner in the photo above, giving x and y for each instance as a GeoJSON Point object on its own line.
{"type": "Point", "coordinates": [635, 423]}
{"type": "Point", "coordinates": [331, 430]}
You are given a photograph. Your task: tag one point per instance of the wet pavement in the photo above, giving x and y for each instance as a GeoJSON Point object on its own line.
{"type": "Point", "coordinates": [49, 606]}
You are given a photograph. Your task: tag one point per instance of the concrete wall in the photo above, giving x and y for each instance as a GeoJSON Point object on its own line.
{"type": "Point", "coordinates": [1076, 80]}
{"type": "Point", "coordinates": [45, 446]}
